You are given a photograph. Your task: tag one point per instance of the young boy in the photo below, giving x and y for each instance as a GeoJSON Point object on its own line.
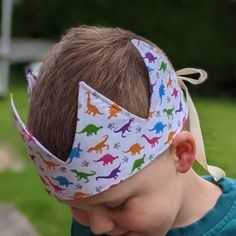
{"type": "Point", "coordinates": [112, 136]}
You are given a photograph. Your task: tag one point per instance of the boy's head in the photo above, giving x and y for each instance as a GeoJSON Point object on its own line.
{"type": "Point", "coordinates": [96, 72]}
{"type": "Point", "coordinates": [129, 107]}
{"type": "Point", "coordinates": [107, 99]}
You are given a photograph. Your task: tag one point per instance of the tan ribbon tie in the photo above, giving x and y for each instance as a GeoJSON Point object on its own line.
{"type": "Point", "coordinates": [194, 123]}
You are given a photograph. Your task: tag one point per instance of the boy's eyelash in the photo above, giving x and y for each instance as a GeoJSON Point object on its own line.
{"type": "Point", "coordinates": [114, 205]}
{"type": "Point", "coordinates": [119, 206]}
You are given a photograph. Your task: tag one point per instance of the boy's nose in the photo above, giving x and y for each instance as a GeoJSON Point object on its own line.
{"type": "Point", "coordinates": [100, 223]}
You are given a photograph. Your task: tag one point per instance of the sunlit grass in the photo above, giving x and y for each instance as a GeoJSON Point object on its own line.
{"type": "Point", "coordinates": [218, 119]}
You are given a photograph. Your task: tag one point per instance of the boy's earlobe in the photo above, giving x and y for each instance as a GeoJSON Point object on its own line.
{"type": "Point", "coordinates": [185, 151]}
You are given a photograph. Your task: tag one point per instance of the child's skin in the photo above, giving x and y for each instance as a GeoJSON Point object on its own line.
{"type": "Point", "coordinates": [164, 195]}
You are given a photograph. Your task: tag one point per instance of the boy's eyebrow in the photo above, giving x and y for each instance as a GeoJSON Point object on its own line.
{"type": "Point", "coordinates": [114, 197]}
{"type": "Point", "coordinates": [116, 200]}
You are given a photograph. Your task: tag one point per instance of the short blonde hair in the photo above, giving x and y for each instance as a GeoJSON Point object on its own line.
{"type": "Point", "coordinates": [105, 59]}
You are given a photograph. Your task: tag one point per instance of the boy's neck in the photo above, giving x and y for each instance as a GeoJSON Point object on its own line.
{"type": "Point", "coordinates": [199, 196]}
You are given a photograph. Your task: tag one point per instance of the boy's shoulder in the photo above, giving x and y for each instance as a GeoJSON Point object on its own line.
{"type": "Point", "coordinates": [228, 185]}
{"type": "Point", "coordinates": [221, 219]}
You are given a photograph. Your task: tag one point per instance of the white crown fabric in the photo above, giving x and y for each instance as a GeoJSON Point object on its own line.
{"type": "Point", "coordinates": [110, 143]}
{"type": "Point", "coordinates": [31, 74]}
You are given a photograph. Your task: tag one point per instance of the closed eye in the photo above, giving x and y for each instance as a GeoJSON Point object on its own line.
{"type": "Point", "coordinates": [117, 206]}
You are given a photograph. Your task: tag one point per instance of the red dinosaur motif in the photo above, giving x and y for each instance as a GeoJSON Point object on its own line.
{"type": "Point", "coordinates": [56, 188]}
{"type": "Point", "coordinates": [108, 158]}
{"type": "Point", "coordinates": [175, 92]}
{"type": "Point", "coordinates": [29, 135]}
{"type": "Point", "coordinates": [153, 141]}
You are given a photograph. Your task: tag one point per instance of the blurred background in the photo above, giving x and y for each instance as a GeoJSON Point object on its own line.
{"type": "Point", "coordinates": [197, 33]}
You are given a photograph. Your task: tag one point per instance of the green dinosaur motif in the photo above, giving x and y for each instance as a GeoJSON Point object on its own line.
{"type": "Point", "coordinates": [169, 112]}
{"type": "Point", "coordinates": [138, 163]}
{"type": "Point", "coordinates": [90, 129]}
{"type": "Point", "coordinates": [83, 175]}
{"type": "Point", "coordinates": [163, 66]}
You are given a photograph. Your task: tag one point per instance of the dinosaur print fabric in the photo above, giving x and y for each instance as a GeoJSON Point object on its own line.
{"type": "Point", "coordinates": [110, 143]}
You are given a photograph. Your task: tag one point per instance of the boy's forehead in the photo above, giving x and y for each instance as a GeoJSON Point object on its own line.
{"type": "Point", "coordinates": [116, 193]}
{"type": "Point", "coordinates": [141, 182]}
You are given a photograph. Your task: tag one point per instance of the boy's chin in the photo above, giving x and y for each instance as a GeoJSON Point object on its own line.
{"type": "Point", "coordinates": [129, 234]}
{"type": "Point", "coordinates": [136, 234]}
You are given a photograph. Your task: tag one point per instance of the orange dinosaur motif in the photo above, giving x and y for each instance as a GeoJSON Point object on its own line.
{"type": "Point", "coordinates": [134, 149]}
{"type": "Point", "coordinates": [170, 137]}
{"type": "Point", "coordinates": [114, 109]}
{"type": "Point", "coordinates": [150, 115]}
{"type": "Point", "coordinates": [79, 195]}
{"type": "Point", "coordinates": [43, 180]}
{"type": "Point", "coordinates": [91, 109]}
{"type": "Point", "coordinates": [102, 144]}
{"type": "Point", "coordinates": [49, 164]}
{"type": "Point", "coordinates": [169, 83]}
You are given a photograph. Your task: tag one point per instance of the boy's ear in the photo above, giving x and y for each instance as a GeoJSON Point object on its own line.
{"type": "Point", "coordinates": [184, 149]}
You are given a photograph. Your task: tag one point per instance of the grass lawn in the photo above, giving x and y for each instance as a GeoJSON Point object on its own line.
{"type": "Point", "coordinates": [52, 218]}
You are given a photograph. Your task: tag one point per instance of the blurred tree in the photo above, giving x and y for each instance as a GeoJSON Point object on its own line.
{"type": "Point", "coordinates": [195, 33]}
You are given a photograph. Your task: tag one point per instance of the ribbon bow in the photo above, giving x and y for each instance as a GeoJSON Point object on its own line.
{"type": "Point", "coordinates": [195, 128]}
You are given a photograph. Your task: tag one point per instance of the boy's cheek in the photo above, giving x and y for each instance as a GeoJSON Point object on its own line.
{"type": "Point", "coordinates": [132, 220]}
{"type": "Point", "coordinates": [143, 219]}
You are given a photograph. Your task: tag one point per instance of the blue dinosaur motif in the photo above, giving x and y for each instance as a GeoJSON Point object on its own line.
{"type": "Point", "coordinates": [62, 180]}
{"type": "Point", "coordinates": [161, 91]}
{"type": "Point", "coordinates": [149, 69]}
{"type": "Point", "coordinates": [75, 153]}
{"type": "Point", "coordinates": [158, 127]}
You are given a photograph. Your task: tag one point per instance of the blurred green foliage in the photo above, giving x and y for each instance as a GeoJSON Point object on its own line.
{"type": "Point", "coordinates": [24, 188]}
{"type": "Point", "coordinates": [195, 33]}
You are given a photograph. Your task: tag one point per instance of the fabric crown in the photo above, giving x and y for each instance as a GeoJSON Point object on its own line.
{"type": "Point", "coordinates": [112, 144]}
